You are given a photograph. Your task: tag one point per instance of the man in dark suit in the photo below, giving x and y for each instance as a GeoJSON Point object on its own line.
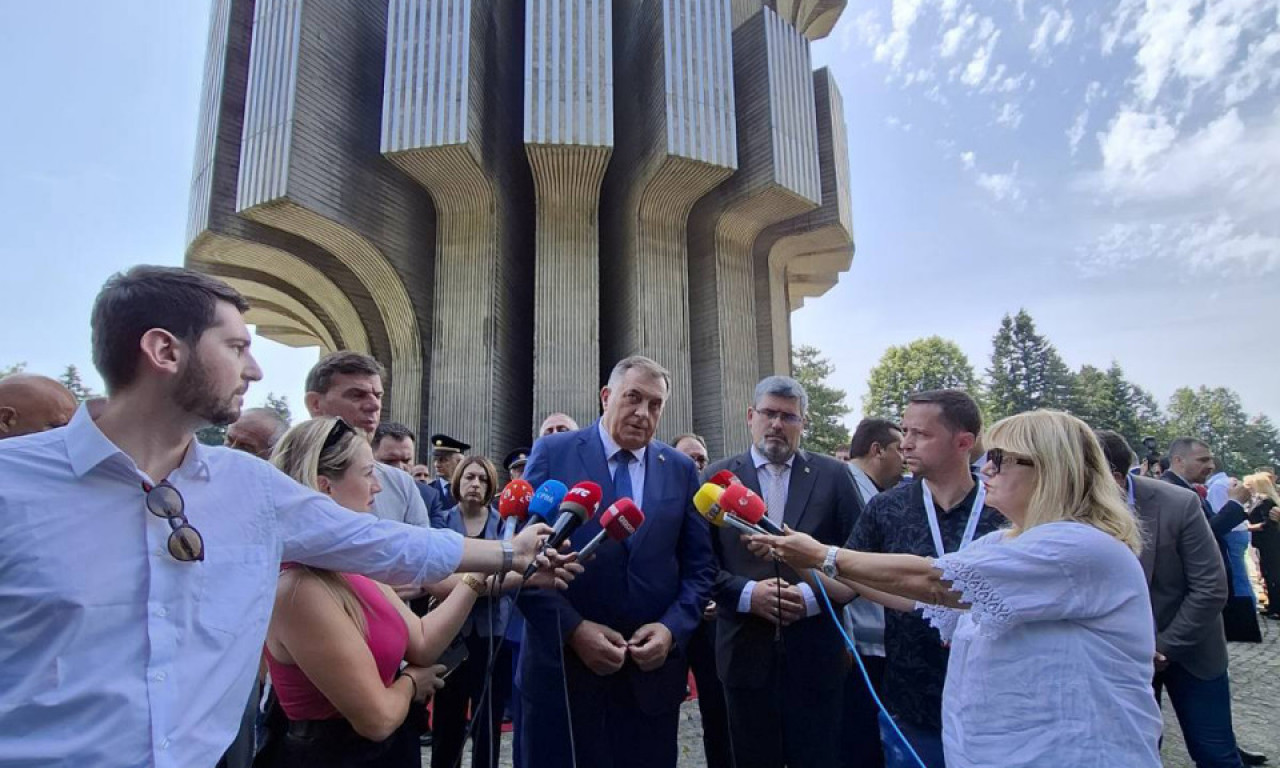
{"type": "Point", "coordinates": [610, 649]}
{"type": "Point", "coordinates": [446, 455]}
{"type": "Point", "coordinates": [1190, 462]}
{"type": "Point", "coordinates": [781, 660]}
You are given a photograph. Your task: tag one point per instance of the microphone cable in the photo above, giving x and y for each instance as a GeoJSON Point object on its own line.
{"type": "Point", "coordinates": [866, 678]}
{"type": "Point", "coordinates": [779, 658]}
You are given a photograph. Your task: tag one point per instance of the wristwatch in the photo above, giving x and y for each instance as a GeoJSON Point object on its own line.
{"type": "Point", "coordinates": [508, 556]}
{"type": "Point", "coordinates": [829, 563]}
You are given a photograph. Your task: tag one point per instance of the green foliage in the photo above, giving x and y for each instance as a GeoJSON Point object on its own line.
{"type": "Point", "coordinates": [70, 379]}
{"type": "Point", "coordinates": [932, 363]}
{"type": "Point", "coordinates": [1026, 371]}
{"type": "Point", "coordinates": [1217, 417]}
{"type": "Point", "coordinates": [11, 369]}
{"type": "Point", "coordinates": [280, 405]}
{"type": "Point", "coordinates": [824, 430]}
{"type": "Point", "coordinates": [212, 435]}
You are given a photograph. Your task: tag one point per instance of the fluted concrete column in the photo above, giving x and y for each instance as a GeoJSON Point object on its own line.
{"type": "Point", "coordinates": [568, 137]}
{"type": "Point", "coordinates": [778, 179]}
{"type": "Point", "coordinates": [677, 139]}
{"type": "Point", "coordinates": [225, 244]}
{"type": "Point", "coordinates": [451, 121]}
{"type": "Point", "coordinates": [804, 255]}
{"type": "Point", "coordinates": [311, 165]}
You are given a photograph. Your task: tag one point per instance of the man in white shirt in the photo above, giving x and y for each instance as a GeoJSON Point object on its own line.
{"type": "Point", "coordinates": [137, 567]}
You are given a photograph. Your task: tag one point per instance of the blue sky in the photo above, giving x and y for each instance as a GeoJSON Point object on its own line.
{"type": "Point", "coordinates": [1114, 168]}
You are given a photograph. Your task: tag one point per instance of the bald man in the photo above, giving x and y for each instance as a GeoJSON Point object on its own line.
{"type": "Point", "coordinates": [257, 431]}
{"type": "Point", "coordinates": [31, 403]}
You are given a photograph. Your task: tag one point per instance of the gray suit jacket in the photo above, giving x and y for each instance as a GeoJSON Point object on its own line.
{"type": "Point", "coordinates": [1185, 574]}
{"type": "Point", "coordinates": [822, 502]}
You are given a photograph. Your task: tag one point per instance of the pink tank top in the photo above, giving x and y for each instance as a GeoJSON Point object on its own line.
{"type": "Point", "coordinates": [387, 636]}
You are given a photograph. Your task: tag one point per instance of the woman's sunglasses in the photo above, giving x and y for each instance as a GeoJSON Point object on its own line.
{"type": "Point", "coordinates": [998, 457]}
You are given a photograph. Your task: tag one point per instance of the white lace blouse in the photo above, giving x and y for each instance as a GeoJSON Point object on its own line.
{"type": "Point", "coordinates": [1052, 665]}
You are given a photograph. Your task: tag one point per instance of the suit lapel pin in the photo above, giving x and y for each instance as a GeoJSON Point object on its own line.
{"type": "Point", "coordinates": [806, 470]}
{"type": "Point", "coordinates": [662, 457]}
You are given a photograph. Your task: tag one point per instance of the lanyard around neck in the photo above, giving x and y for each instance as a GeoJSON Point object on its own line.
{"type": "Point", "coordinates": [970, 528]}
{"type": "Point", "coordinates": [1129, 482]}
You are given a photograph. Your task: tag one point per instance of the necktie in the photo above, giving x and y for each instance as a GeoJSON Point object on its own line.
{"type": "Point", "coordinates": [622, 475]}
{"type": "Point", "coordinates": [776, 497]}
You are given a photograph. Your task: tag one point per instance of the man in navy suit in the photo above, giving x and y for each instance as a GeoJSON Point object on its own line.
{"type": "Point", "coordinates": [606, 657]}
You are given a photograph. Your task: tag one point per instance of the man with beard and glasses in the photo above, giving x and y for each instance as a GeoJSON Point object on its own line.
{"type": "Point", "coordinates": [941, 510]}
{"type": "Point", "coordinates": [781, 660]}
{"type": "Point", "coordinates": [140, 566]}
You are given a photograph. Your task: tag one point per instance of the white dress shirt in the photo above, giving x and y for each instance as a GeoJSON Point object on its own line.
{"type": "Point", "coordinates": [766, 478]}
{"type": "Point", "coordinates": [635, 469]}
{"type": "Point", "coordinates": [1052, 664]}
{"type": "Point", "coordinates": [113, 653]}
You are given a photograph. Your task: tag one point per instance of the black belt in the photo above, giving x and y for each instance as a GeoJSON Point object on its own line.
{"type": "Point", "coordinates": [309, 729]}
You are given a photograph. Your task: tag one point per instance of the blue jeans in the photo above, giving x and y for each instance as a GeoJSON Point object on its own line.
{"type": "Point", "coordinates": [1204, 713]}
{"type": "Point", "coordinates": [926, 742]}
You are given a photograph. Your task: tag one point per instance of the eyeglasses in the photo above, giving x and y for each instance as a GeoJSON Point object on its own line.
{"type": "Point", "coordinates": [997, 457]}
{"type": "Point", "coordinates": [340, 428]}
{"type": "Point", "coordinates": [185, 542]}
{"type": "Point", "coordinates": [790, 419]}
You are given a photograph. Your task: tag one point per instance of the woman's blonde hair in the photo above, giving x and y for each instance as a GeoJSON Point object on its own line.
{"type": "Point", "coordinates": [1073, 478]}
{"type": "Point", "coordinates": [302, 455]}
{"type": "Point", "coordinates": [1261, 484]}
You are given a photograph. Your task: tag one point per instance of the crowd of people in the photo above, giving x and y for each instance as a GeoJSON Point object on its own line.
{"type": "Point", "coordinates": [317, 595]}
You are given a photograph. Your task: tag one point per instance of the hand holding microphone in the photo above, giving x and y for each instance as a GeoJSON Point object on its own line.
{"type": "Point", "coordinates": [577, 507]}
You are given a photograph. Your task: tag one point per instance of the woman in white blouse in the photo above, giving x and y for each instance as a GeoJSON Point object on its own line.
{"type": "Point", "coordinates": [1049, 620]}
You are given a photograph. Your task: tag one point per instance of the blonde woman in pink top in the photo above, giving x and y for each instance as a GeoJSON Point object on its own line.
{"type": "Point", "coordinates": [336, 640]}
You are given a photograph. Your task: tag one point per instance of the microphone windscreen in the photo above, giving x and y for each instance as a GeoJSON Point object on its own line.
{"type": "Point", "coordinates": [515, 499]}
{"type": "Point", "coordinates": [547, 499]}
{"type": "Point", "coordinates": [708, 496]}
{"type": "Point", "coordinates": [724, 478]}
{"type": "Point", "coordinates": [622, 519]}
{"type": "Point", "coordinates": [582, 500]}
{"type": "Point", "coordinates": [739, 500]}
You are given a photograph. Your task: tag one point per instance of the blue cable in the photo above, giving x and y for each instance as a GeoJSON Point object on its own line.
{"type": "Point", "coordinates": [853, 650]}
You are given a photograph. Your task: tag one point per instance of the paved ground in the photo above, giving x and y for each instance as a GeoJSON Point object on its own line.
{"type": "Point", "coordinates": [1255, 678]}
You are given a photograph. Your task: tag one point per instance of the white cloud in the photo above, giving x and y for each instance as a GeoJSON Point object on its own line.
{"type": "Point", "coordinates": [976, 71]}
{"type": "Point", "coordinates": [1010, 115]}
{"type": "Point", "coordinates": [894, 47]}
{"type": "Point", "coordinates": [967, 159]}
{"type": "Point", "coordinates": [954, 38]}
{"type": "Point", "coordinates": [1076, 132]}
{"type": "Point", "coordinates": [1211, 243]}
{"type": "Point", "coordinates": [1003, 187]}
{"type": "Point", "coordinates": [1130, 143]}
{"type": "Point", "coordinates": [1260, 68]}
{"type": "Point", "coordinates": [1054, 30]}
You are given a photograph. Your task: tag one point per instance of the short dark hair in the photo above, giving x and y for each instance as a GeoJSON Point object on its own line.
{"type": "Point", "coordinates": [689, 436]}
{"type": "Point", "coordinates": [145, 297]}
{"type": "Point", "coordinates": [1120, 455]}
{"type": "Point", "coordinates": [873, 432]}
{"type": "Point", "coordinates": [320, 378]}
{"type": "Point", "coordinates": [960, 411]}
{"type": "Point", "coordinates": [1181, 446]}
{"type": "Point", "coordinates": [393, 429]}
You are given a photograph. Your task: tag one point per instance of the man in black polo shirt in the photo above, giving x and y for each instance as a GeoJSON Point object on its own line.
{"type": "Point", "coordinates": [939, 429]}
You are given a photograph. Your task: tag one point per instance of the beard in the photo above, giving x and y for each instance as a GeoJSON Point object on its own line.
{"type": "Point", "coordinates": [777, 451]}
{"type": "Point", "coordinates": [196, 395]}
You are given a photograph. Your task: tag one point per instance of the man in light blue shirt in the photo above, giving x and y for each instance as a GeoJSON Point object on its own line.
{"type": "Point", "coordinates": [137, 567]}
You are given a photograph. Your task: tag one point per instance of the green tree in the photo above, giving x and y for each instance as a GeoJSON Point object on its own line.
{"type": "Point", "coordinates": [824, 429]}
{"type": "Point", "coordinates": [931, 363]}
{"type": "Point", "coordinates": [1107, 400]}
{"type": "Point", "coordinates": [280, 405]}
{"type": "Point", "coordinates": [11, 369]}
{"type": "Point", "coordinates": [1026, 371]}
{"type": "Point", "coordinates": [212, 435]}
{"type": "Point", "coordinates": [70, 379]}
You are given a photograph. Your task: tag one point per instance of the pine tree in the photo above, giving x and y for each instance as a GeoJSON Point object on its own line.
{"type": "Point", "coordinates": [1026, 371]}
{"type": "Point", "coordinates": [280, 405]}
{"type": "Point", "coordinates": [12, 369]}
{"type": "Point", "coordinates": [70, 379]}
{"type": "Point", "coordinates": [824, 429]}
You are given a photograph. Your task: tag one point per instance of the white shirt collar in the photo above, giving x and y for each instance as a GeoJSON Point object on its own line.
{"type": "Point", "coordinates": [758, 458]}
{"type": "Point", "coordinates": [610, 447]}
{"type": "Point", "coordinates": [88, 447]}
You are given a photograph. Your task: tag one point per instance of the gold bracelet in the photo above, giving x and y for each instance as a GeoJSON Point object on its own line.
{"type": "Point", "coordinates": [477, 585]}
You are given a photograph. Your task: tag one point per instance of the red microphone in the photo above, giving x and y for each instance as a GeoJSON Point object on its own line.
{"type": "Point", "coordinates": [513, 506]}
{"type": "Point", "coordinates": [579, 506]}
{"type": "Point", "coordinates": [617, 522]}
{"type": "Point", "coordinates": [742, 503]}
{"type": "Point", "coordinates": [724, 478]}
